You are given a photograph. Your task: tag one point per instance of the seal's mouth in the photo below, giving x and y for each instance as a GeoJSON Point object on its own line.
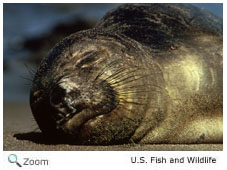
{"type": "Point", "coordinates": [62, 118]}
{"type": "Point", "coordinates": [77, 120]}
{"type": "Point", "coordinates": [64, 109]}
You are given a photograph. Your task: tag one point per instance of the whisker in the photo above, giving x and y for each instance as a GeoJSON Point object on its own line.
{"type": "Point", "coordinates": [112, 76]}
{"type": "Point", "coordinates": [136, 98]}
{"type": "Point", "coordinates": [125, 82]}
{"type": "Point", "coordinates": [137, 103]}
{"type": "Point", "coordinates": [31, 70]}
{"type": "Point", "coordinates": [102, 71]}
{"type": "Point", "coordinates": [141, 85]}
{"type": "Point", "coordinates": [122, 91]}
{"type": "Point", "coordinates": [121, 80]}
{"type": "Point", "coordinates": [122, 71]}
{"type": "Point", "coordinates": [133, 92]}
{"type": "Point", "coordinates": [118, 78]}
{"type": "Point", "coordinates": [26, 78]}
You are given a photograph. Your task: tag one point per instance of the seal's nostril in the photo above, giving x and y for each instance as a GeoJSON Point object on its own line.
{"type": "Point", "coordinates": [57, 94]}
{"type": "Point", "coordinates": [55, 99]}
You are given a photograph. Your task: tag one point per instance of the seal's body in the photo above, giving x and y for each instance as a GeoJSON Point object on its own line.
{"type": "Point", "coordinates": [147, 73]}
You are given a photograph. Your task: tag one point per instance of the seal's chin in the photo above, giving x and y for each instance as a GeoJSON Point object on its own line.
{"type": "Point", "coordinates": [73, 124]}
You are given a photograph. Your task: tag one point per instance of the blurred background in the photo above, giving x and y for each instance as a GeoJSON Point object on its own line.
{"type": "Point", "coordinates": [30, 31]}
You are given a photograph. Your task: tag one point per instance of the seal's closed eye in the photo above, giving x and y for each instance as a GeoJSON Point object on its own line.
{"type": "Point", "coordinates": [87, 58]}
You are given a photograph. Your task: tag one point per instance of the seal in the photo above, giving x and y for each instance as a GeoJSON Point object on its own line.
{"type": "Point", "coordinates": [146, 73]}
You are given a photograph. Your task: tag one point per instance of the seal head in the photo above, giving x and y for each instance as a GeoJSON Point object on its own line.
{"type": "Point", "coordinates": [83, 89]}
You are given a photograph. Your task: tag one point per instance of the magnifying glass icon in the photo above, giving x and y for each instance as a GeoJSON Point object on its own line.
{"type": "Point", "coordinates": [12, 158]}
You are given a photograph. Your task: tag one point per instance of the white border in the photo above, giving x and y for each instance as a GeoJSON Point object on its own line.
{"type": "Point", "coordinates": [109, 160]}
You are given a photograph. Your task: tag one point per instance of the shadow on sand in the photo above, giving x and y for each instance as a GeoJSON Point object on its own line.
{"type": "Point", "coordinates": [40, 138]}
